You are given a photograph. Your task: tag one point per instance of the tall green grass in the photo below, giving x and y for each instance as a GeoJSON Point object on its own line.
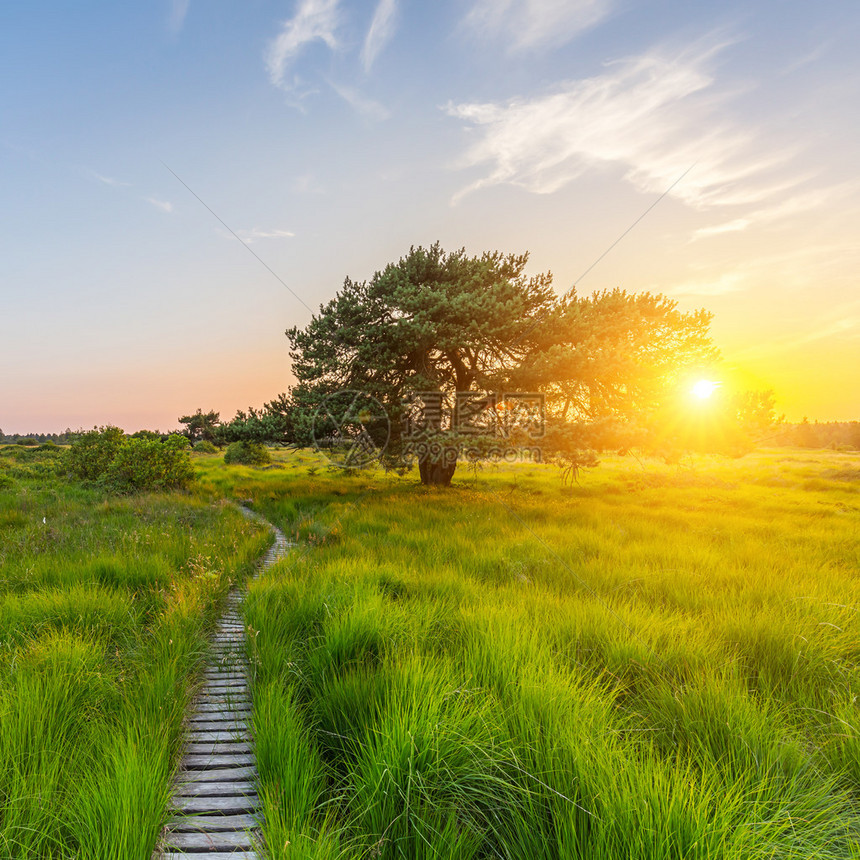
{"type": "Point", "coordinates": [105, 607]}
{"type": "Point", "coordinates": [658, 663]}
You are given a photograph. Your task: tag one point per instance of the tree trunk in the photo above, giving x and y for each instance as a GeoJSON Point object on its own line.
{"type": "Point", "coordinates": [438, 473]}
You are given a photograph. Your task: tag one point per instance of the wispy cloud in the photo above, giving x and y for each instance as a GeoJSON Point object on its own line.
{"type": "Point", "coordinates": [163, 205]}
{"type": "Point", "coordinates": [258, 233]}
{"type": "Point", "coordinates": [655, 115]}
{"type": "Point", "coordinates": [799, 204]}
{"type": "Point", "coordinates": [315, 20]}
{"type": "Point", "coordinates": [108, 180]}
{"type": "Point", "coordinates": [381, 30]}
{"type": "Point", "coordinates": [361, 103]}
{"type": "Point", "coordinates": [794, 271]}
{"type": "Point", "coordinates": [178, 11]}
{"type": "Point", "coordinates": [528, 24]}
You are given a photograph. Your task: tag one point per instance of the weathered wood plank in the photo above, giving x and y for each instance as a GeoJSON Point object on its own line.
{"type": "Point", "coordinates": [229, 723]}
{"type": "Point", "coordinates": [199, 788]}
{"type": "Point", "coordinates": [200, 736]}
{"type": "Point", "coordinates": [215, 823]}
{"type": "Point", "coordinates": [221, 805]}
{"type": "Point", "coordinates": [221, 774]}
{"type": "Point", "coordinates": [196, 761]}
{"type": "Point", "coordinates": [214, 855]}
{"type": "Point", "coordinates": [220, 748]}
{"type": "Point", "coordinates": [210, 841]}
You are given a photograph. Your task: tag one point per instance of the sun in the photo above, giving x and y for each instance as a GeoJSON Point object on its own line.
{"type": "Point", "coordinates": [704, 388]}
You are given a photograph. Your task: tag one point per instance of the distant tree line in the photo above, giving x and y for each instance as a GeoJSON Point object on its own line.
{"type": "Point", "coordinates": [816, 434]}
{"type": "Point", "coordinates": [64, 438]}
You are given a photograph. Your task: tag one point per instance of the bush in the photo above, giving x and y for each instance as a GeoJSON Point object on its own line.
{"type": "Point", "coordinates": [144, 464]}
{"type": "Point", "coordinates": [204, 446]}
{"type": "Point", "coordinates": [92, 453]}
{"type": "Point", "coordinates": [27, 441]}
{"type": "Point", "coordinates": [247, 454]}
{"type": "Point", "coordinates": [127, 463]}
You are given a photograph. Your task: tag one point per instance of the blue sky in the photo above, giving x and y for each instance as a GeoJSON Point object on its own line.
{"type": "Point", "coordinates": [330, 136]}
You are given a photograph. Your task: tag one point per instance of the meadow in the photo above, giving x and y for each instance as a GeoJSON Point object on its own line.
{"type": "Point", "coordinates": [105, 607]}
{"type": "Point", "coordinates": [658, 662]}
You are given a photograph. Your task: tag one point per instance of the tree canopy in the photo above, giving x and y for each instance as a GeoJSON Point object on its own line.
{"type": "Point", "coordinates": [448, 323]}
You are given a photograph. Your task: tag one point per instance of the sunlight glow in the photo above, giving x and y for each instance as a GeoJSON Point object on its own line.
{"type": "Point", "coordinates": [704, 388]}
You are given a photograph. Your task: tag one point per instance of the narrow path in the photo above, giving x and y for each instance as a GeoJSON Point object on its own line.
{"type": "Point", "coordinates": [215, 811]}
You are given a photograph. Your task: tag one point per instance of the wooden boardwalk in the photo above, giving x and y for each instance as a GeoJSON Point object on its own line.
{"type": "Point", "coordinates": [215, 811]}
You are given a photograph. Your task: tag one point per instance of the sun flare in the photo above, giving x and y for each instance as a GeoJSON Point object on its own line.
{"type": "Point", "coordinates": [704, 388]}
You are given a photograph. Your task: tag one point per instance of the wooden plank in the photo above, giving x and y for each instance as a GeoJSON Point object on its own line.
{"type": "Point", "coordinates": [210, 841]}
{"type": "Point", "coordinates": [215, 823]}
{"type": "Point", "coordinates": [200, 737]}
{"type": "Point", "coordinates": [220, 774]}
{"type": "Point", "coordinates": [221, 805]}
{"type": "Point", "coordinates": [229, 723]}
{"type": "Point", "coordinates": [218, 748]}
{"type": "Point", "coordinates": [226, 699]}
{"type": "Point", "coordinates": [214, 855]}
{"type": "Point", "coordinates": [202, 761]}
{"type": "Point", "coordinates": [199, 788]}
{"type": "Point", "coordinates": [225, 703]}
{"type": "Point", "coordinates": [216, 706]}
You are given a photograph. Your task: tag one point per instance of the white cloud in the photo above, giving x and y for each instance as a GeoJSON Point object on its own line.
{"type": "Point", "coordinates": [178, 11]}
{"type": "Point", "coordinates": [315, 20]}
{"type": "Point", "coordinates": [361, 103]}
{"type": "Point", "coordinates": [108, 180]}
{"type": "Point", "coordinates": [163, 205]}
{"type": "Point", "coordinates": [257, 233]}
{"type": "Point", "coordinates": [380, 32]}
{"type": "Point", "coordinates": [654, 115]}
{"type": "Point", "coordinates": [795, 205]}
{"type": "Point", "coordinates": [528, 24]}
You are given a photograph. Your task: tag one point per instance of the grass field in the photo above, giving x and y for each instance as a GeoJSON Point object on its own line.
{"type": "Point", "coordinates": [105, 605]}
{"type": "Point", "coordinates": [661, 662]}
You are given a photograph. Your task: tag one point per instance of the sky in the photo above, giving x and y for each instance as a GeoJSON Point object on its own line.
{"type": "Point", "coordinates": [182, 181]}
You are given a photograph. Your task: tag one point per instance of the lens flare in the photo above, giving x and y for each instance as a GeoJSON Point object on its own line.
{"type": "Point", "coordinates": [704, 388]}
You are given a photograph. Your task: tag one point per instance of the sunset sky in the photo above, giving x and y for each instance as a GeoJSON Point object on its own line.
{"type": "Point", "coordinates": [139, 140]}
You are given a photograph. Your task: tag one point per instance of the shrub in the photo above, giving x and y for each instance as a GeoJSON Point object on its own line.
{"type": "Point", "coordinates": [27, 441]}
{"type": "Point", "coordinates": [204, 446]}
{"type": "Point", "coordinates": [92, 453]}
{"type": "Point", "coordinates": [144, 464]}
{"type": "Point", "coordinates": [247, 454]}
{"type": "Point", "coordinates": [127, 463]}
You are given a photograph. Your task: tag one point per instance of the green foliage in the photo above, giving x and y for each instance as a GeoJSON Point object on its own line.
{"type": "Point", "coordinates": [449, 323]}
{"type": "Point", "coordinates": [200, 425]}
{"type": "Point", "coordinates": [144, 464]}
{"type": "Point", "coordinates": [92, 453]}
{"type": "Point", "coordinates": [127, 464]}
{"type": "Point", "coordinates": [272, 424]}
{"type": "Point", "coordinates": [247, 454]}
{"type": "Point", "coordinates": [204, 446]}
{"type": "Point", "coordinates": [152, 435]}
{"type": "Point", "coordinates": [26, 441]}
